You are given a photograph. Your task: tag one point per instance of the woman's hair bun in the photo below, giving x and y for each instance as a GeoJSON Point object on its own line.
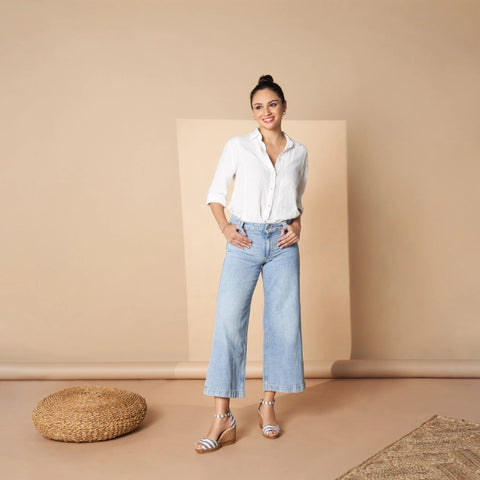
{"type": "Point", "coordinates": [265, 82]}
{"type": "Point", "coordinates": [265, 79]}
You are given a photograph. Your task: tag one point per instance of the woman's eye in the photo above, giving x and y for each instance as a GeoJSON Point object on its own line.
{"type": "Point", "coordinates": [273, 104]}
{"type": "Point", "coordinates": [258, 107]}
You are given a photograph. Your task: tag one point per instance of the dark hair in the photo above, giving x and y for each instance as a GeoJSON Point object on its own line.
{"type": "Point", "coordinates": [266, 82]}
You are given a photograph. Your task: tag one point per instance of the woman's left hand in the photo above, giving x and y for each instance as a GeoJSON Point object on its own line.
{"type": "Point", "coordinates": [290, 236]}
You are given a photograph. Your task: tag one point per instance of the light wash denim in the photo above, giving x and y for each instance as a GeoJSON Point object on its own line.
{"type": "Point", "coordinates": [282, 343]}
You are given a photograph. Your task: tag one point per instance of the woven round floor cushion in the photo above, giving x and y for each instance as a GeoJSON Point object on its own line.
{"type": "Point", "coordinates": [89, 414]}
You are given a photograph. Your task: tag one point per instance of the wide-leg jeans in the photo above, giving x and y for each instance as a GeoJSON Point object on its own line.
{"type": "Point", "coordinates": [282, 343]}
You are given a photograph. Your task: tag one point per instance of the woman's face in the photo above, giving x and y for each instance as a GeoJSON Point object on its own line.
{"type": "Point", "coordinates": [268, 109]}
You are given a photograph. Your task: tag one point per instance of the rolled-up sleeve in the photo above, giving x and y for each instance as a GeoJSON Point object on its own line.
{"type": "Point", "coordinates": [224, 175]}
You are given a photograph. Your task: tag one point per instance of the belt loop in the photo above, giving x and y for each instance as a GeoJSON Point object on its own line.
{"type": "Point", "coordinates": [240, 224]}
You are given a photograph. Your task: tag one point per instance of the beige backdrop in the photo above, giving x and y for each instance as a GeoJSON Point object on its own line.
{"type": "Point", "coordinates": [92, 257]}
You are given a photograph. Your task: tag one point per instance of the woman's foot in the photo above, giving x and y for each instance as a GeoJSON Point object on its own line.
{"type": "Point", "coordinates": [222, 432]}
{"type": "Point", "coordinates": [267, 419]}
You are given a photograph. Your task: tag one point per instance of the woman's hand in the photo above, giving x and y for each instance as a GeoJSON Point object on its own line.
{"type": "Point", "coordinates": [240, 240]}
{"type": "Point", "coordinates": [290, 236]}
{"type": "Point", "coordinates": [229, 230]}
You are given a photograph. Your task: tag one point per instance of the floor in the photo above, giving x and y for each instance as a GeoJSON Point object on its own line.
{"type": "Point", "coordinates": [329, 428]}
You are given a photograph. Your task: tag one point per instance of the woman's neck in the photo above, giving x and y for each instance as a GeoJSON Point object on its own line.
{"type": "Point", "coordinates": [272, 136]}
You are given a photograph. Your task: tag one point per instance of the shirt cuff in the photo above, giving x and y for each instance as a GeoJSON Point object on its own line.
{"type": "Point", "coordinates": [216, 198]}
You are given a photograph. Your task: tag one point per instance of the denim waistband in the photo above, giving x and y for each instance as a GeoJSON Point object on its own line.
{"type": "Point", "coordinates": [258, 226]}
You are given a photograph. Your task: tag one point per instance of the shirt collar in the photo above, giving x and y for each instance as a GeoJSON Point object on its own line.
{"type": "Point", "coordinates": [256, 135]}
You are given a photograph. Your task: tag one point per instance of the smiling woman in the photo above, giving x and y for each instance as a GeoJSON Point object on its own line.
{"type": "Point", "coordinates": [270, 172]}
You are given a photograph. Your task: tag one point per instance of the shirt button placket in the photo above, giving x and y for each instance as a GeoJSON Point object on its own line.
{"type": "Point", "coordinates": [270, 193]}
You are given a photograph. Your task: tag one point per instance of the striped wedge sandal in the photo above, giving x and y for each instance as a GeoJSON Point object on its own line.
{"type": "Point", "coordinates": [227, 437]}
{"type": "Point", "coordinates": [269, 431]}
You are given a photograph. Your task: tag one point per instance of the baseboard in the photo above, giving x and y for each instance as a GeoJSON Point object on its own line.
{"type": "Point", "coordinates": [134, 370]}
{"type": "Point", "coordinates": [440, 368]}
{"type": "Point", "coordinates": [198, 370]}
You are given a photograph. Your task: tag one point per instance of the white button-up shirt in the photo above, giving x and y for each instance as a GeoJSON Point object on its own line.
{"type": "Point", "coordinates": [263, 193]}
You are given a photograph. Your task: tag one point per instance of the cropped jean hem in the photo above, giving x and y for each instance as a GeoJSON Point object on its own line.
{"type": "Point", "coordinates": [216, 392]}
{"type": "Point", "coordinates": [270, 387]}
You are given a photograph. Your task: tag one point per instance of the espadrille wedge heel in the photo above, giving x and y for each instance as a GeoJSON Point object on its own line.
{"type": "Point", "coordinates": [227, 437]}
{"type": "Point", "coordinates": [269, 431]}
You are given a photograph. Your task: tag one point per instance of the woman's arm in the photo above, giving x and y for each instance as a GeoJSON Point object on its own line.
{"type": "Point", "coordinates": [229, 231]}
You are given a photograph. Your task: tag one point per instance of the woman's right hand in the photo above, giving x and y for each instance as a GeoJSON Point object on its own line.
{"type": "Point", "coordinates": [237, 239]}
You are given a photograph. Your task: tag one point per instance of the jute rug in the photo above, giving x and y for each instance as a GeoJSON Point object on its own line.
{"type": "Point", "coordinates": [441, 449]}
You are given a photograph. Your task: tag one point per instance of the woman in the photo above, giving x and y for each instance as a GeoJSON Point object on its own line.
{"type": "Point", "coordinates": [270, 172]}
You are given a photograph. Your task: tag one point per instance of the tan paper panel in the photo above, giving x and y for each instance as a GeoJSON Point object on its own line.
{"type": "Point", "coordinates": [324, 242]}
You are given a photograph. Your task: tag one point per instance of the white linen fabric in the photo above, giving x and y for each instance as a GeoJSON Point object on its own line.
{"type": "Point", "coordinates": [263, 193]}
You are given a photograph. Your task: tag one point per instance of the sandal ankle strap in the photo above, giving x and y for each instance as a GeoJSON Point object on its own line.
{"type": "Point", "coordinates": [223, 415]}
{"type": "Point", "coordinates": [267, 403]}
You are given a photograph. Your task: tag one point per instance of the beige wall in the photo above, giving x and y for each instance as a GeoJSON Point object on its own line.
{"type": "Point", "coordinates": [92, 264]}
